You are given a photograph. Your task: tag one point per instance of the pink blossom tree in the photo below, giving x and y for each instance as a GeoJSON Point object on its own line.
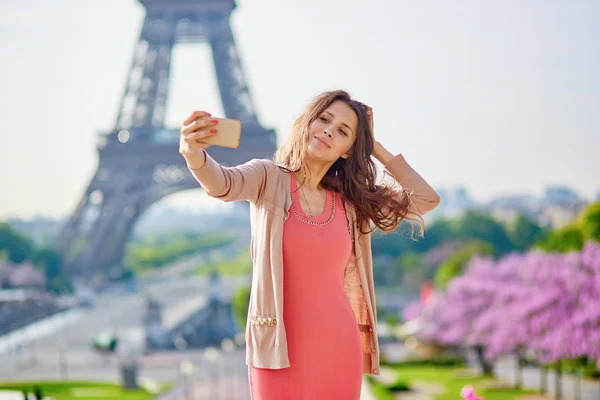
{"type": "Point", "coordinates": [545, 303]}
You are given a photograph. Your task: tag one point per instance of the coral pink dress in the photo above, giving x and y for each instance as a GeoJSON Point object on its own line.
{"type": "Point", "coordinates": [322, 333]}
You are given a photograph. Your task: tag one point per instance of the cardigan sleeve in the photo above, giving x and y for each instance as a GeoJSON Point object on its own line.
{"type": "Point", "coordinates": [243, 182]}
{"type": "Point", "coordinates": [422, 197]}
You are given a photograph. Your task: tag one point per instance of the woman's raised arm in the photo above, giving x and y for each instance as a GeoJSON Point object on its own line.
{"type": "Point", "coordinates": [423, 198]}
{"type": "Point", "coordinates": [243, 182]}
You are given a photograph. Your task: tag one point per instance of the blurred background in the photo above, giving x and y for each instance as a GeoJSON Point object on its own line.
{"type": "Point", "coordinates": [120, 278]}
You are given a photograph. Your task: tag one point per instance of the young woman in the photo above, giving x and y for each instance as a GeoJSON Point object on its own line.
{"type": "Point", "coordinates": [311, 330]}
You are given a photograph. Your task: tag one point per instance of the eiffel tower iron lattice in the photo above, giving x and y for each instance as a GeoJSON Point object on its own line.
{"type": "Point", "coordinates": [139, 163]}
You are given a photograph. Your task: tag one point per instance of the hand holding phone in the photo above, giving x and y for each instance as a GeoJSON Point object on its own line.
{"type": "Point", "coordinates": [200, 130]}
{"type": "Point", "coordinates": [227, 135]}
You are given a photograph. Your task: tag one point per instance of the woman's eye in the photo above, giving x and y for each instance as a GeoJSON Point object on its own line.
{"type": "Point", "coordinates": [323, 119]}
{"type": "Point", "coordinates": [344, 133]}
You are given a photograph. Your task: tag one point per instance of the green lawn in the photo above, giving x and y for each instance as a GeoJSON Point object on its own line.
{"type": "Point", "coordinates": [80, 390]}
{"type": "Point", "coordinates": [451, 379]}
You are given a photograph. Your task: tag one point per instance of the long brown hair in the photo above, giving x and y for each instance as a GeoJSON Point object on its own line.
{"type": "Point", "coordinates": [354, 177]}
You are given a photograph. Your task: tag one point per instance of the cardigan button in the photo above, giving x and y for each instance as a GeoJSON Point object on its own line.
{"type": "Point", "coordinates": [370, 329]}
{"type": "Point", "coordinates": [373, 351]}
{"type": "Point", "coordinates": [375, 371]}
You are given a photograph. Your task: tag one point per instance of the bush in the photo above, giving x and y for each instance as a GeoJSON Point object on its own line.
{"type": "Point", "coordinates": [439, 361]}
{"type": "Point", "coordinates": [563, 240]}
{"type": "Point", "coordinates": [589, 221]}
{"type": "Point", "coordinates": [380, 391]}
{"type": "Point", "coordinates": [573, 237]}
{"type": "Point", "coordinates": [582, 366]}
{"type": "Point", "coordinates": [399, 386]}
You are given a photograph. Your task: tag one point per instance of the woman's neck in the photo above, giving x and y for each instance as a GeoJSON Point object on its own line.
{"type": "Point", "coordinates": [312, 174]}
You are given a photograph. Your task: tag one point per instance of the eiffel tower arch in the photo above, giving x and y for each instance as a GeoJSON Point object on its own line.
{"type": "Point", "coordinates": [139, 163]}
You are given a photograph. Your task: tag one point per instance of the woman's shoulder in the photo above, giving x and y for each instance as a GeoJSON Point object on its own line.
{"type": "Point", "coordinates": [269, 166]}
{"type": "Point", "coordinates": [276, 177]}
{"type": "Point", "coordinates": [274, 185]}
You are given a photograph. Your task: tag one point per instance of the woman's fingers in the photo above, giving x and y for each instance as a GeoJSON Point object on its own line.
{"type": "Point", "coordinates": [194, 116]}
{"type": "Point", "coordinates": [196, 143]}
{"type": "Point", "coordinates": [201, 134]}
{"type": "Point", "coordinates": [198, 125]}
{"type": "Point", "coordinates": [189, 144]}
{"type": "Point", "coordinates": [195, 128]}
{"type": "Point", "coordinates": [193, 141]}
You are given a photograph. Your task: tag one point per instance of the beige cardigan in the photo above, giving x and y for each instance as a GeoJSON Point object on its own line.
{"type": "Point", "coordinates": [267, 188]}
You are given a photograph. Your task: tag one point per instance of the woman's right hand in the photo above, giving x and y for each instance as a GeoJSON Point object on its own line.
{"type": "Point", "coordinates": [195, 128]}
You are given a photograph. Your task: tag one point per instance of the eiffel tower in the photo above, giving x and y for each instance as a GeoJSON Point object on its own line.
{"type": "Point", "coordinates": [139, 163]}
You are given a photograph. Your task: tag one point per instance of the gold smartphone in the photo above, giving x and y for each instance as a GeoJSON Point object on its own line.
{"type": "Point", "coordinates": [228, 133]}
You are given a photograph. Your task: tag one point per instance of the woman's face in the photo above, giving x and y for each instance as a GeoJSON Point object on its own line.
{"type": "Point", "coordinates": [333, 133]}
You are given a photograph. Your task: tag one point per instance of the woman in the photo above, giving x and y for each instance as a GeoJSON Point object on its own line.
{"type": "Point", "coordinates": [312, 212]}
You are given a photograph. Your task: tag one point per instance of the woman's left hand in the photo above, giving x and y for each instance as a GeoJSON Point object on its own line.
{"type": "Point", "coordinates": [369, 111]}
{"type": "Point", "coordinates": [379, 152]}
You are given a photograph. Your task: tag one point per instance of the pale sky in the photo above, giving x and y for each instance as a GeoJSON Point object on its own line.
{"type": "Point", "coordinates": [502, 97]}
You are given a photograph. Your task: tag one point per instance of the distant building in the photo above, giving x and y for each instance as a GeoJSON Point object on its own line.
{"type": "Point", "coordinates": [561, 195]}
{"type": "Point", "coordinates": [559, 206]}
{"type": "Point", "coordinates": [558, 216]}
{"type": "Point", "coordinates": [454, 203]}
{"type": "Point", "coordinates": [509, 208]}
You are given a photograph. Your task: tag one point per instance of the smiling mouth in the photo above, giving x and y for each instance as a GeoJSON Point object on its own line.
{"type": "Point", "coordinates": [322, 142]}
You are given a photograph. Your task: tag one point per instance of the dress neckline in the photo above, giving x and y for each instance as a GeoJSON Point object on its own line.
{"type": "Point", "coordinates": [325, 216]}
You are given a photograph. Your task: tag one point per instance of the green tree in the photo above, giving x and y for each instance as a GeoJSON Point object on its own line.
{"type": "Point", "coordinates": [456, 263]}
{"type": "Point", "coordinates": [568, 238]}
{"type": "Point", "coordinates": [572, 237]}
{"type": "Point", "coordinates": [399, 242]}
{"type": "Point", "coordinates": [413, 268]}
{"type": "Point", "coordinates": [589, 221]}
{"type": "Point", "coordinates": [440, 231]}
{"type": "Point", "coordinates": [411, 261]}
{"type": "Point", "coordinates": [390, 244]}
{"type": "Point", "coordinates": [472, 225]}
{"type": "Point", "coordinates": [524, 232]}
{"type": "Point", "coordinates": [50, 262]}
{"type": "Point", "coordinates": [477, 225]}
{"type": "Point", "coordinates": [19, 248]}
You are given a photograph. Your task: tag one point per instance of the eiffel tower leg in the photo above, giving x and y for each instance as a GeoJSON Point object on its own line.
{"type": "Point", "coordinates": [90, 260]}
{"type": "Point", "coordinates": [69, 230]}
{"type": "Point", "coordinates": [144, 102]}
{"type": "Point", "coordinates": [72, 237]}
{"type": "Point", "coordinates": [235, 94]}
{"type": "Point", "coordinates": [96, 235]}
{"type": "Point", "coordinates": [112, 251]}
